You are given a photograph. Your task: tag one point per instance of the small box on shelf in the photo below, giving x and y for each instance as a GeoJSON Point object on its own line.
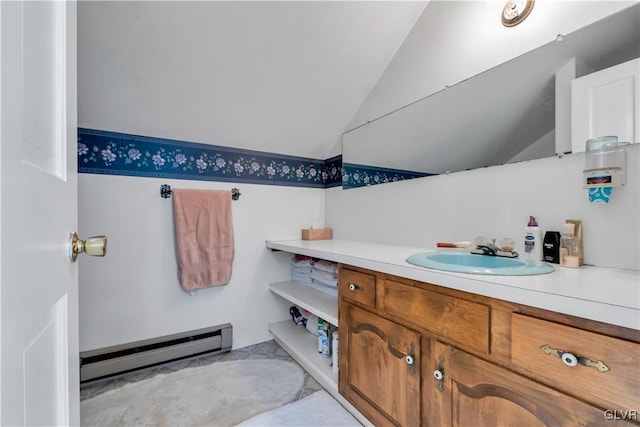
{"type": "Point", "coordinates": [317, 234]}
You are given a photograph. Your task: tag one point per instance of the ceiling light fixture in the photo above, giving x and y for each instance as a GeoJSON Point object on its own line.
{"type": "Point", "coordinates": [515, 11]}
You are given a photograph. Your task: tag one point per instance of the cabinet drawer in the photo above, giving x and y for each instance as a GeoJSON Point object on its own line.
{"type": "Point", "coordinates": [357, 286]}
{"type": "Point", "coordinates": [456, 320]}
{"type": "Point", "coordinates": [537, 346]}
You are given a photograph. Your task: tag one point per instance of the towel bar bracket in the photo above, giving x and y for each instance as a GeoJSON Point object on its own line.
{"type": "Point", "coordinates": [165, 192]}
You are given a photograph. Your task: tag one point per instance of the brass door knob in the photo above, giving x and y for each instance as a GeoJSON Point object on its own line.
{"type": "Point", "coordinates": [94, 246]}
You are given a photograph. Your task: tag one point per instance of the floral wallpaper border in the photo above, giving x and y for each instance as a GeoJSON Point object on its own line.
{"type": "Point", "coordinates": [113, 153]}
{"type": "Point", "coordinates": [354, 175]}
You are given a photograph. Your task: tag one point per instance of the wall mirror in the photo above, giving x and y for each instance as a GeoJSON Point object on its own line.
{"type": "Point", "coordinates": [503, 115]}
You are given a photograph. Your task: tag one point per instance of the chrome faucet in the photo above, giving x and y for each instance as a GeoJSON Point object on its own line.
{"type": "Point", "coordinates": [483, 247]}
{"type": "Point", "coordinates": [485, 250]}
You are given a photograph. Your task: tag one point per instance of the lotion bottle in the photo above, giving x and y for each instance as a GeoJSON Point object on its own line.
{"type": "Point", "coordinates": [533, 240]}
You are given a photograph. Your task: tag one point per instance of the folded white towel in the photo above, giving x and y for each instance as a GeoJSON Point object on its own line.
{"type": "Point", "coordinates": [328, 266]}
{"type": "Point", "coordinates": [302, 262]}
{"type": "Point", "coordinates": [328, 284]}
{"type": "Point", "coordinates": [301, 270]}
{"type": "Point", "coordinates": [302, 278]}
{"type": "Point", "coordinates": [324, 277]}
{"type": "Point", "coordinates": [329, 290]}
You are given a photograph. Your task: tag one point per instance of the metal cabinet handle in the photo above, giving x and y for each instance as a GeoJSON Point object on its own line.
{"type": "Point", "coordinates": [571, 360]}
{"type": "Point", "coordinates": [354, 287]}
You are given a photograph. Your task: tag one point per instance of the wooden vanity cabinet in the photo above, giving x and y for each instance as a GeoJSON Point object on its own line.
{"type": "Point", "coordinates": [413, 354]}
{"type": "Point", "coordinates": [474, 392]}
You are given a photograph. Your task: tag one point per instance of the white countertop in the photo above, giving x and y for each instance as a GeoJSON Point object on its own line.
{"type": "Point", "coordinates": [604, 294]}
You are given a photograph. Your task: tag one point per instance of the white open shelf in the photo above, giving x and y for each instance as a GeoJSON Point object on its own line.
{"type": "Point", "coordinates": [319, 303]}
{"type": "Point", "coordinates": [302, 345]}
{"type": "Point", "coordinates": [299, 342]}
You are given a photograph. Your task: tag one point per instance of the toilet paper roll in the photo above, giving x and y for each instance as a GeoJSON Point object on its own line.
{"type": "Point", "coordinates": [600, 195]}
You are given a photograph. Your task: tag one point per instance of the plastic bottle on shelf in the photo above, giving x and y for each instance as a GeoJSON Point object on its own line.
{"type": "Point", "coordinates": [324, 340]}
{"type": "Point", "coordinates": [320, 322]}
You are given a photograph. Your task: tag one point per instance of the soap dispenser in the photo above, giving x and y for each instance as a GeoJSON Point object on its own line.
{"type": "Point", "coordinates": [533, 240]}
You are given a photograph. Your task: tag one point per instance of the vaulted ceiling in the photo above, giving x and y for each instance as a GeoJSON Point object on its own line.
{"type": "Point", "coordinates": [284, 77]}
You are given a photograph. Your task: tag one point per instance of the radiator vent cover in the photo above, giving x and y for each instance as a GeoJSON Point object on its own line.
{"type": "Point", "coordinates": [117, 359]}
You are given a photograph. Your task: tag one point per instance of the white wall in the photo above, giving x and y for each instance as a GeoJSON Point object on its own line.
{"type": "Point", "coordinates": [133, 293]}
{"type": "Point", "coordinates": [495, 202]}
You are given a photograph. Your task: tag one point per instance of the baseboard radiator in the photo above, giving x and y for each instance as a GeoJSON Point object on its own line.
{"type": "Point", "coordinates": [108, 361]}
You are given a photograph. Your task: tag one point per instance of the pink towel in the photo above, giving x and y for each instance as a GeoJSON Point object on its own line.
{"type": "Point", "coordinates": [204, 237]}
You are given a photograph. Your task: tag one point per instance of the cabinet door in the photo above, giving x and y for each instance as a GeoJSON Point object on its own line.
{"type": "Point", "coordinates": [475, 392]}
{"type": "Point", "coordinates": [379, 370]}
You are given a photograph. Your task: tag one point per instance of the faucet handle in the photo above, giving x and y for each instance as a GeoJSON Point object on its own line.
{"type": "Point", "coordinates": [480, 241]}
{"type": "Point", "coordinates": [507, 244]}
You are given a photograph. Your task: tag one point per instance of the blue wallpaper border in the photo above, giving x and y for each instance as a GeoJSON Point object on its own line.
{"type": "Point", "coordinates": [354, 175]}
{"type": "Point", "coordinates": [113, 153]}
{"type": "Point", "coordinates": [333, 169]}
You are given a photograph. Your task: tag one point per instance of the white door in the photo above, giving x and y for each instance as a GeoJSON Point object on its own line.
{"type": "Point", "coordinates": [39, 360]}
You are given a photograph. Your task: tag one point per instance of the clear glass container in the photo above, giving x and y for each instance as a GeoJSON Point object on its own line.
{"type": "Point", "coordinates": [569, 252]}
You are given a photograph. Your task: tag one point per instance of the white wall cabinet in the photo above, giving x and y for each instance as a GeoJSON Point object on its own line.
{"type": "Point", "coordinates": [606, 103]}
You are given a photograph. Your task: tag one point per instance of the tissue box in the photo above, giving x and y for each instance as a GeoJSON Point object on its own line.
{"type": "Point", "coordinates": [317, 233]}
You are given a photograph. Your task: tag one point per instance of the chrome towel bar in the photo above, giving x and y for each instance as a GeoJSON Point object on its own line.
{"type": "Point", "coordinates": [165, 192]}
